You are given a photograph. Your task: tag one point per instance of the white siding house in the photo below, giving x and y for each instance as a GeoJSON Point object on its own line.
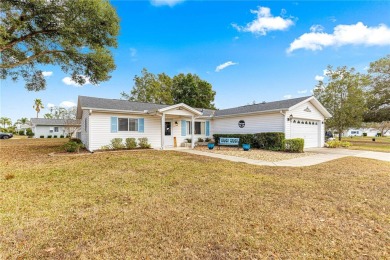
{"type": "Point", "coordinates": [171, 125]}
{"type": "Point", "coordinates": [43, 127]}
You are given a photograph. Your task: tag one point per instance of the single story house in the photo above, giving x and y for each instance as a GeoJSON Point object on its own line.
{"type": "Point", "coordinates": [54, 127]}
{"type": "Point", "coordinates": [360, 131]}
{"type": "Point", "coordinates": [170, 125]}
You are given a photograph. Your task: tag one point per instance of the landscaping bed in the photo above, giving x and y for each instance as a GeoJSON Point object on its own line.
{"type": "Point", "coordinates": [255, 154]}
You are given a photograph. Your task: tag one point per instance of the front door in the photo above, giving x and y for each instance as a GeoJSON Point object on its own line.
{"type": "Point", "coordinates": [168, 139]}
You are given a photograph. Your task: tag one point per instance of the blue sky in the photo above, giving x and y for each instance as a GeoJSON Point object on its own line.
{"type": "Point", "coordinates": [248, 50]}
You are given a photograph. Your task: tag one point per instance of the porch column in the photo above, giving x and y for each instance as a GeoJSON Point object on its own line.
{"type": "Point", "coordinates": [192, 132]}
{"type": "Point", "coordinates": [162, 130]}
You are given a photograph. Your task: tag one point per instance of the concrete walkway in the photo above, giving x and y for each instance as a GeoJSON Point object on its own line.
{"type": "Point", "coordinates": [322, 155]}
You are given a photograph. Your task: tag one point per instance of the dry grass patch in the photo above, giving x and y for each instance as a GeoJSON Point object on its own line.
{"type": "Point", "coordinates": [255, 154]}
{"type": "Point", "coordinates": [381, 144]}
{"type": "Point", "coordinates": [164, 204]}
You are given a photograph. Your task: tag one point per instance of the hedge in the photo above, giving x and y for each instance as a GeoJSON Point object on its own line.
{"type": "Point", "coordinates": [294, 145]}
{"type": "Point", "coordinates": [271, 140]}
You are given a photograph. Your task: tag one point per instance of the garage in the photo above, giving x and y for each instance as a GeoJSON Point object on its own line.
{"type": "Point", "coordinates": [306, 129]}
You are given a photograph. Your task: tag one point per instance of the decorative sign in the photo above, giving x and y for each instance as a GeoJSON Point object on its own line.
{"type": "Point", "coordinates": [241, 123]}
{"type": "Point", "coordinates": [228, 141]}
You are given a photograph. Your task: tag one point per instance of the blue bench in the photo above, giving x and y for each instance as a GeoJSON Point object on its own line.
{"type": "Point", "coordinates": [227, 141]}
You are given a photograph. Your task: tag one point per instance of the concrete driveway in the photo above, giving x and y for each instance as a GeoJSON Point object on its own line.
{"type": "Point", "coordinates": [322, 155]}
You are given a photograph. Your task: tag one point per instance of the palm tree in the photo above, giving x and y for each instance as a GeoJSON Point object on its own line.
{"type": "Point", "coordinates": [5, 121]}
{"type": "Point", "coordinates": [38, 105]}
{"type": "Point", "coordinates": [48, 116]}
{"type": "Point", "coordinates": [22, 121]}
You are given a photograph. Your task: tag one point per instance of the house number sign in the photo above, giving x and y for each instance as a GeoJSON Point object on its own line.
{"type": "Point", "coordinates": [241, 123]}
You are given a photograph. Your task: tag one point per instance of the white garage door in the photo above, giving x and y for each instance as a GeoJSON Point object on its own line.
{"type": "Point", "coordinates": [306, 129]}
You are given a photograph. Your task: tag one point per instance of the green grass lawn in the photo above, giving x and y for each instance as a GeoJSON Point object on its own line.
{"type": "Point", "coordinates": [163, 204]}
{"type": "Point", "coordinates": [381, 144]}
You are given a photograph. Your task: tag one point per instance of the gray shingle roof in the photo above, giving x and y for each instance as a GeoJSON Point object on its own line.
{"type": "Point", "coordinates": [45, 121]}
{"type": "Point", "coordinates": [118, 104]}
{"type": "Point", "coordinates": [261, 107]}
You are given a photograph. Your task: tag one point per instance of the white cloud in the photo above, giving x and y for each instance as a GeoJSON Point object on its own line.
{"type": "Point", "coordinates": [224, 65]}
{"type": "Point", "coordinates": [316, 28]}
{"type": "Point", "coordinates": [265, 22]}
{"type": "Point", "coordinates": [287, 96]}
{"type": "Point", "coordinates": [133, 52]}
{"type": "Point", "coordinates": [302, 91]}
{"type": "Point", "coordinates": [319, 78]}
{"type": "Point", "coordinates": [169, 3]}
{"type": "Point", "coordinates": [70, 82]}
{"type": "Point", "coordinates": [47, 73]}
{"type": "Point", "coordinates": [50, 105]}
{"type": "Point", "coordinates": [354, 34]}
{"type": "Point", "coordinates": [67, 104]}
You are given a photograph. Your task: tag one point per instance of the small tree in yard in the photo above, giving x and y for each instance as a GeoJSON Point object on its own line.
{"type": "Point", "coordinates": [343, 96]}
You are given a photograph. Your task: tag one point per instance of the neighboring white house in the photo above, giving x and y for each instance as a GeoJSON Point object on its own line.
{"type": "Point", "coordinates": [164, 125]}
{"type": "Point", "coordinates": [360, 131]}
{"type": "Point", "coordinates": [54, 127]}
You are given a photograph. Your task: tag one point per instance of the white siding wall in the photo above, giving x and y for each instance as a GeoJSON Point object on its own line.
{"type": "Point", "coordinates": [177, 131]}
{"type": "Point", "coordinates": [45, 131]}
{"type": "Point", "coordinates": [84, 130]}
{"type": "Point", "coordinates": [253, 124]}
{"type": "Point", "coordinates": [300, 113]}
{"type": "Point", "coordinates": [100, 130]}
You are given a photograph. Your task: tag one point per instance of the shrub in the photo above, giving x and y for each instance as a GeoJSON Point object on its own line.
{"type": "Point", "coordinates": [378, 135]}
{"type": "Point", "coordinates": [189, 140]}
{"type": "Point", "coordinates": [61, 136]}
{"type": "Point", "coordinates": [42, 136]}
{"type": "Point", "coordinates": [49, 136]}
{"type": "Point", "coordinates": [294, 145]}
{"type": "Point", "coordinates": [207, 139]}
{"type": "Point", "coordinates": [105, 147]}
{"type": "Point", "coordinates": [364, 134]}
{"type": "Point", "coordinates": [200, 140]}
{"type": "Point", "coordinates": [117, 143]}
{"type": "Point", "coordinates": [337, 144]}
{"type": "Point", "coordinates": [76, 140]}
{"type": "Point", "coordinates": [72, 147]}
{"type": "Point", "coordinates": [143, 142]}
{"type": "Point", "coordinates": [271, 140]}
{"type": "Point", "coordinates": [21, 132]}
{"type": "Point", "coordinates": [29, 132]}
{"type": "Point", "coordinates": [54, 136]}
{"type": "Point", "coordinates": [131, 143]}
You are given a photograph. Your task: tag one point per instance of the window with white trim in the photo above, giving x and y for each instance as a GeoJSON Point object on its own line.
{"type": "Point", "coordinates": [56, 129]}
{"type": "Point", "coordinates": [127, 124]}
{"type": "Point", "coordinates": [200, 128]}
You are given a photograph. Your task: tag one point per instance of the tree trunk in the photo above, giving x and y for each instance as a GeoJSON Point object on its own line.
{"type": "Point", "coordinates": [340, 135]}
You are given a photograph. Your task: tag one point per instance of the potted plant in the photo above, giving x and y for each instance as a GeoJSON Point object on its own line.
{"type": "Point", "coordinates": [246, 147]}
{"type": "Point", "coordinates": [211, 144]}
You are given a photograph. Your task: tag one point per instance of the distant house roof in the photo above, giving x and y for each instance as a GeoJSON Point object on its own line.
{"type": "Point", "coordinates": [55, 122]}
{"type": "Point", "coordinates": [125, 105]}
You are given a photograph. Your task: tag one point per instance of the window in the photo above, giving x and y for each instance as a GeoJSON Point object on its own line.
{"type": "Point", "coordinates": [189, 128]}
{"type": "Point", "coordinates": [56, 129]}
{"type": "Point", "coordinates": [127, 124]}
{"type": "Point", "coordinates": [51, 129]}
{"type": "Point", "coordinates": [200, 128]}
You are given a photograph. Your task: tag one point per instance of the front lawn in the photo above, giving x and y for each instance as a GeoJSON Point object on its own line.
{"type": "Point", "coordinates": [164, 204]}
{"type": "Point", "coordinates": [381, 144]}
